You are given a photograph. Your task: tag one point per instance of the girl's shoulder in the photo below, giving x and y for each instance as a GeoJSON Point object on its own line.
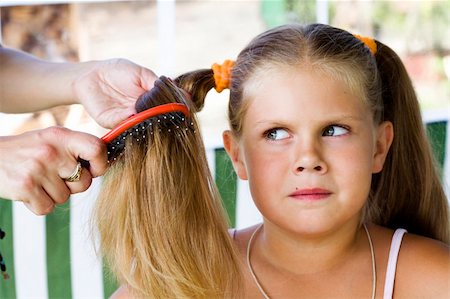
{"type": "Point", "coordinates": [426, 263]}
{"type": "Point", "coordinates": [423, 264]}
{"type": "Point", "coordinates": [417, 248]}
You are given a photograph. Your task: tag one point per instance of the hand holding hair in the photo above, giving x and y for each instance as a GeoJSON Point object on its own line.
{"type": "Point", "coordinates": [107, 89]}
{"type": "Point", "coordinates": [34, 165]}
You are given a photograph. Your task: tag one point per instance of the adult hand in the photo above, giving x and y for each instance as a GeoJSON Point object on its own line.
{"type": "Point", "coordinates": [110, 89]}
{"type": "Point", "coordinates": [34, 164]}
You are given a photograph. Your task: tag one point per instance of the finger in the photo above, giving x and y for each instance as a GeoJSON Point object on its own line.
{"type": "Point", "coordinates": [27, 184]}
{"type": "Point", "coordinates": [54, 191]}
{"type": "Point", "coordinates": [89, 148]}
{"type": "Point", "coordinates": [62, 148]}
{"type": "Point", "coordinates": [40, 210]}
{"type": "Point", "coordinates": [81, 185]}
{"type": "Point", "coordinates": [39, 202]}
{"type": "Point", "coordinates": [55, 188]}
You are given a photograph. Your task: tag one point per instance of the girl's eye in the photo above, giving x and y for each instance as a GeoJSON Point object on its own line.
{"type": "Point", "coordinates": [276, 134]}
{"type": "Point", "coordinates": [335, 130]}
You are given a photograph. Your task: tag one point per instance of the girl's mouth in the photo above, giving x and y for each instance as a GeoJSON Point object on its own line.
{"type": "Point", "coordinates": [311, 194]}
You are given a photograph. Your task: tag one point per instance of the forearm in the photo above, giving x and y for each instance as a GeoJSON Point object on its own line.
{"type": "Point", "coordinates": [29, 84]}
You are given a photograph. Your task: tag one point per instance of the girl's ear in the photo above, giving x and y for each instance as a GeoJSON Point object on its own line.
{"type": "Point", "coordinates": [232, 147]}
{"type": "Point", "coordinates": [385, 135]}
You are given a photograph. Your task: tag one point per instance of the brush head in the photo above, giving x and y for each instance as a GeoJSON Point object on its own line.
{"type": "Point", "coordinates": [158, 111]}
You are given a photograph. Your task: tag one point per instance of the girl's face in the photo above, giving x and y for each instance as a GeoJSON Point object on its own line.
{"type": "Point", "coordinates": [308, 148]}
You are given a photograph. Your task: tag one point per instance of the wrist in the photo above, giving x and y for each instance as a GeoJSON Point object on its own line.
{"type": "Point", "coordinates": [79, 79]}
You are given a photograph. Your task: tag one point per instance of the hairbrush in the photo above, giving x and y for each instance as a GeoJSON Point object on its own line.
{"type": "Point", "coordinates": [165, 115]}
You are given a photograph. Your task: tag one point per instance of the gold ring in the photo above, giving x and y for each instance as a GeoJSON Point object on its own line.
{"type": "Point", "coordinates": [76, 175]}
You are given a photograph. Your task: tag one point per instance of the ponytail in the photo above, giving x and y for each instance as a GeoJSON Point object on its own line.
{"type": "Point", "coordinates": [408, 191]}
{"type": "Point", "coordinates": [197, 84]}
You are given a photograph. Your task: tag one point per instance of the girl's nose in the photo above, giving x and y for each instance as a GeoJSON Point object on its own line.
{"type": "Point", "coordinates": [309, 159]}
{"type": "Point", "coordinates": [316, 168]}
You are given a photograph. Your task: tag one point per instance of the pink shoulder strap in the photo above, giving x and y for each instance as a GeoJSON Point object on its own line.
{"type": "Point", "coordinates": [392, 263]}
{"type": "Point", "coordinates": [232, 232]}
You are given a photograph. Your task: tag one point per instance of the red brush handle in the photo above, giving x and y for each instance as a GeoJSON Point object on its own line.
{"type": "Point", "coordinates": [142, 116]}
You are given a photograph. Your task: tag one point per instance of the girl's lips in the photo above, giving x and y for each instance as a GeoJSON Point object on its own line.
{"type": "Point", "coordinates": [311, 194]}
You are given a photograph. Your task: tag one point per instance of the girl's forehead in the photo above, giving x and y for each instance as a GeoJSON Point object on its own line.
{"type": "Point", "coordinates": [304, 79]}
{"type": "Point", "coordinates": [322, 73]}
{"type": "Point", "coordinates": [291, 92]}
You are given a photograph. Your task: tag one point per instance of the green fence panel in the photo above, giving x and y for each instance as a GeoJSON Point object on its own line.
{"type": "Point", "coordinates": [226, 181]}
{"type": "Point", "coordinates": [57, 226]}
{"type": "Point", "coordinates": [437, 133]}
{"type": "Point", "coordinates": [7, 286]}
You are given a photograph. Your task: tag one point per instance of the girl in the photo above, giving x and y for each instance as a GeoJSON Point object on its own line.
{"type": "Point", "coordinates": [326, 127]}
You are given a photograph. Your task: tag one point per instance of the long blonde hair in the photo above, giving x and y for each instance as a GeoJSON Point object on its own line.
{"type": "Point", "coordinates": [162, 227]}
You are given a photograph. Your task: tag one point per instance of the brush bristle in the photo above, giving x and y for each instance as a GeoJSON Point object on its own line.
{"type": "Point", "coordinates": [168, 123]}
{"type": "Point", "coordinates": [163, 92]}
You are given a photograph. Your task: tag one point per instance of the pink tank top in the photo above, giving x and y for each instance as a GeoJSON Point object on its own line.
{"type": "Point", "coordinates": [392, 262]}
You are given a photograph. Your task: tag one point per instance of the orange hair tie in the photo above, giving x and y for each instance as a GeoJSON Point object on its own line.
{"type": "Point", "coordinates": [222, 74]}
{"type": "Point", "coordinates": [369, 42]}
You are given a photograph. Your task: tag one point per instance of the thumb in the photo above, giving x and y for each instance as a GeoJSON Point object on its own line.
{"type": "Point", "coordinates": [147, 78]}
{"type": "Point", "coordinates": [115, 116]}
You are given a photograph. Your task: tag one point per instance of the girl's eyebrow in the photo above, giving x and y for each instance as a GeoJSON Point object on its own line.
{"type": "Point", "coordinates": [348, 117]}
{"type": "Point", "coordinates": [271, 123]}
{"type": "Point", "coordinates": [336, 118]}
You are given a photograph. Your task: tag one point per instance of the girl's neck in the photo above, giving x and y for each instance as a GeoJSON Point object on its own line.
{"type": "Point", "coordinates": [303, 255]}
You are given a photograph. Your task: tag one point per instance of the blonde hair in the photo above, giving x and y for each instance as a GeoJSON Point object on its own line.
{"type": "Point", "coordinates": [162, 227]}
{"type": "Point", "coordinates": [408, 192]}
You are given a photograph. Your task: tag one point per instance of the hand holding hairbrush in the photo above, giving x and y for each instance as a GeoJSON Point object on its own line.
{"type": "Point", "coordinates": [156, 110]}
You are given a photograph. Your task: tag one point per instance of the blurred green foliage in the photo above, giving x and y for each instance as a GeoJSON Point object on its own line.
{"type": "Point", "coordinates": [423, 25]}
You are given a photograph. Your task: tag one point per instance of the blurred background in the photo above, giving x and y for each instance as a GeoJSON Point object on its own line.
{"type": "Point", "coordinates": [53, 257]}
{"type": "Point", "coordinates": [171, 37]}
